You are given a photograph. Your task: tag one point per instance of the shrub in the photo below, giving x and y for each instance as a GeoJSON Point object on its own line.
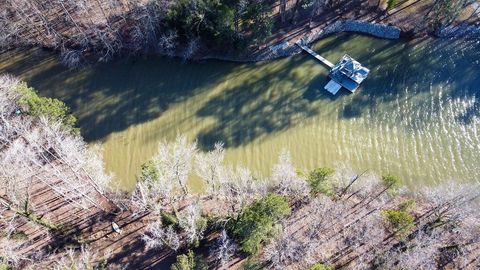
{"type": "Point", "coordinates": [391, 181]}
{"type": "Point", "coordinates": [169, 219]}
{"type": "Point", "coordinates": [19, 236]}
{"type": "Point", "coordinates": [399, 222]}
{"type": "Point", "coordinates": [184, 262]}
{"type": "Point", "coordinates": [189, 261]}
{"type": "Point", "coordinates": [407, 205]}
{"type": "Point", "coordinates": [257, 222]}
{"type": "Point", "coordinates": [252, 264]}
{"type": "Point", "coordinates": [149, 171]}
{"type": "Point", "coordinates": [444, 12]}
{"type": "Point", "coordinates": [318, 180]}
{"type": "Point", "coordinates": [52, 108]}
{"type": "Point", "coordinates": [391, 4]}
{"type": "Point", "coordinates": [320, 266]}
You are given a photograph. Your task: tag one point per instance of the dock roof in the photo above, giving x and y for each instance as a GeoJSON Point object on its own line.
{"type": "Point", "coordinates": [349, 73]}
{"type": "Point", "coordinates": [351, 68]}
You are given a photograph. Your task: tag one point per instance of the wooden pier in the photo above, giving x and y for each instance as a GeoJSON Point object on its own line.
{"type": "Point", "coordinates": [347, 73]}
{"type": "Point", "coordinates": [314, 54]}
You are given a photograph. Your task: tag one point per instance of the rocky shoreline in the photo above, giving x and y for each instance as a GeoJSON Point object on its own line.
{"type": "Point", "coordinates": [461, 31]}
{"type": "Point", "coordinates": [378, 30]}
{"type": "Point", "coordinates": [288, 47]}
{"type": "Point", "coordinates": [372, 29]}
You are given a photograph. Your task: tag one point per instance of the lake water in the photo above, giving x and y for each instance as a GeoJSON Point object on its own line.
{"type": "Point", "coordinates": [417, 115]}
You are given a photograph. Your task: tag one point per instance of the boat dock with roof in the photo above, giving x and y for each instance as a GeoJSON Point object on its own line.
{"type": "Point", "coordinates": [347, 73]}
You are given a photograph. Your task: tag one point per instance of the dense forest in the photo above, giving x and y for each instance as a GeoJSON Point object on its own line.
{"type": "Point", "coordinates": [57, 208]}
{"type": "Point", "coordinates": [109, 27]}
{"type": "Point", "coordinates": [105, 28]}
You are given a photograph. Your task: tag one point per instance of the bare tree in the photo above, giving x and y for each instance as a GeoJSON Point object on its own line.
{"type": "Point", "coordinates": [223, 250]}
{"type": "Point", "coordinates": [85, 258]}
{"type": "Point", "coordinates": [192, 47]}
{"type": "Point", "coordinates": [81, 35]}
{"type": "Point", "coordinates": [153, 192]}
{"type": "Point", "coordinates": [175, 160]}
{"type": "Point", "coordinates": [71, 58]}
{"type": "Point", "coordinates": [367, 231]}
{"type": "Point", "coordinates": [167, 43]}
{"type": "Point", "coordinates": [284, 250]}
{"type": "Point", "coordinates": [451, 203]}
{"type": "Point", "coordinates": [190, 230]}
{"type": "Point", "coordinates": [421, 253]}
{"type": "Point", "coordinates": [467, 239]}
{"type": "Point", "coordinates": [10, 255]}
{"type": "Point", "coordinates": [102, 26]}
{"type": "Point", "coordinates": [14, 241]}
{"type": "Point", "coordinates": [158, 236]}
{"type": "Point", "coordinates": [209, 166]}
{"type": "Point", "coordinates": [42, 153]}
{"type": "Point", "coordinates": [285, 179]}
{"type": "Point", "coordinates": [172, 166]}
{"type": "Point", "coordinates": [189, 221]}
{"type": "Point", "coordinates": [238, 187]}
{"type": "Point", "coordinates": [8, 30]}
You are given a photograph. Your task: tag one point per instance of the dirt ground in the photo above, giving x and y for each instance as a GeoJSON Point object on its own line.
{"type": "Point", "coordinates": [409, 15]}
{"type": "Point", "coordinates": [93, 227]}
{"type": "Point", "coordinates": [126, 250]}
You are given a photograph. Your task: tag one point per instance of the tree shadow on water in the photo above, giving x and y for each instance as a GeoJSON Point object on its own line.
{"type": "Point", "coordinates": [401, 70]}
{"type": "Point", "coordinates": [471, 113]}
{"type": "Point", "coordinates": [315, 90]}
{"type": "Point", "coordinates": [269, 97]}
{"type": "Point", "coordinates": [110, 97]}
{"type": "Point", "coordinates": [261, 105]}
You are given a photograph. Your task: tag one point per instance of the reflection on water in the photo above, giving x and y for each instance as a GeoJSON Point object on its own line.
{"type": "Point", "coordinates": [417, 115]}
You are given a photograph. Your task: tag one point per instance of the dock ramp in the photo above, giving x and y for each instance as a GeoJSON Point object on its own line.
{"type": "Point", "coordinates": [333, 87]}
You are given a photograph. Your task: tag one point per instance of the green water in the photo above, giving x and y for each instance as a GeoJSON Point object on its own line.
{"type": "Point", "coordinates": [417, 115]}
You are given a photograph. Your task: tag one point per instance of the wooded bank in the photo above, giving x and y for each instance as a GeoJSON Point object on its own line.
{"type": "Point", "coordinates": [237, 30]}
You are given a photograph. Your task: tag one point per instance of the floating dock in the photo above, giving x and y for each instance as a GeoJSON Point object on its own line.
{"type": "Point", "coordinates": [347, 73]}
{"type": "Point", "coordinates": [332, 87]}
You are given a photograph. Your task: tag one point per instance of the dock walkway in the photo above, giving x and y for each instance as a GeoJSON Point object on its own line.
{"type": "Point", "coordinates": [314, 54]}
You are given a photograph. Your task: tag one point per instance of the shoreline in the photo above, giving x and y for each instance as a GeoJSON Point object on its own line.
{"type": "Point", "coordinates": [377, 30]}
{"type": "Point", "coordinates": [289, 48]}
{"type": "Point", "coordinates": [407, 20]}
